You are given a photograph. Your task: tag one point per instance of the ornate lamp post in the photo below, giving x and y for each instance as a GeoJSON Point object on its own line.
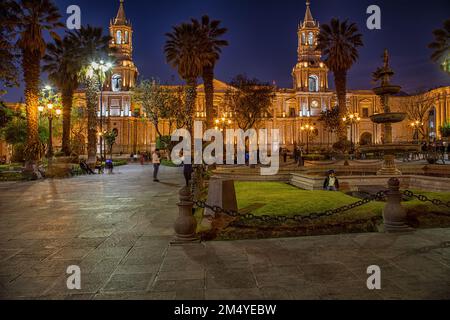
{"type": "Point", "coordinates": [308, 128]}
{"type": "Point", "coordinates": [100, 69]}
{"type": "Point", "coordinates": [222, 123]}
{"type": "Point", "coordinates": [352, 119]}
{"type": "Point", "coordinates": [416, 125]}
{"type": "Point", "coordinates": [49, 109]}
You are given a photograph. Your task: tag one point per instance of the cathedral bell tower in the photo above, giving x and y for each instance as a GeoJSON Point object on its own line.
{"type": "Point", "coordinates": [309, 74]}
{"type": "Point", "coordinates": [124, 73]}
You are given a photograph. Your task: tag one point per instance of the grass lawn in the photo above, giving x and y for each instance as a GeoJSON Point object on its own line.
{"type": "Point", "coordinates": [12, 166]}
{"type": "Point", "coordinates": [283, 199]}
{"type": "Point", "coordinates": [273, 198]}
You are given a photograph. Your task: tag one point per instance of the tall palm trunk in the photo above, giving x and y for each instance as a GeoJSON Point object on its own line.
{"type": "Point", "coordinates": [208, 80]}
{"type": "Point", "coordinates": [91, 103]}
{"type": "Point", "coordinates": [31, 66]}
{"type": "Point", "coordinates": [340, 79]}
{"type": "Point", "coordinates": [191, 96]}
{"type": "Point", "coordinates": [67, 100]}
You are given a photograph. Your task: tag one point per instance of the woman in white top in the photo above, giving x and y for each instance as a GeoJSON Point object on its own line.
{"type": "Point", "coordinates": [156, 159]}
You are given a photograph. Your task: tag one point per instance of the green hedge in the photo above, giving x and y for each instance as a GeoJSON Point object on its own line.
{"type": "Point", "coordinates": [168, 163]}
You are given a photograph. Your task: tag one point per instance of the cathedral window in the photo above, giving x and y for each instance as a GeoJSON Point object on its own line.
{"type": "Point", "coordinates": [310, 38]}
{"type": "Point", "coordinates": [116, 83]}
{"type": "Point", "coordinates": [126, 37]}
{"type": "Point", "coordinates": [119, 37]}
{"type": "Point", "coordinates": [303, 38]}
{"type": "Point", "coordinates": [313, 83]}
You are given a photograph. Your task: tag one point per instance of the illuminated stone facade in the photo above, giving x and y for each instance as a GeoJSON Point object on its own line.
{"type": "Point", "coordinates": [292, 107]}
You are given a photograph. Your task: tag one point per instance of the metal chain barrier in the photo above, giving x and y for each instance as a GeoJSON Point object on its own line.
{"type": "Point", "coordinates": [297, 217]}
{"type": "Point", "coordinates": [424, 198]}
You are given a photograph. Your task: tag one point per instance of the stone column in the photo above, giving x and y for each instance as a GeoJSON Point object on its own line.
{"type": "Point", "coordinates": [393, 213]}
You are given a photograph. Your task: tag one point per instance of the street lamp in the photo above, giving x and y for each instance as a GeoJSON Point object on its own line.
{"type": "Point", "coordinates": [352, 119]}
{"type": "Point", "coordinates": [309, 129]}
{"type": "Point", "coordinates": [222, 123]}
{"type": "Point", "coordinates": [100, 69]}
{"type": "Point", "coordinates": [416, 125]}
{"type": "Point", "coordinates": [48, 109]}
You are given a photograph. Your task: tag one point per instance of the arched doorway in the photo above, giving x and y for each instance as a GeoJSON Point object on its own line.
{"type": "Point", "coordinates": [366, 139]}
{"type": "Point", "coordinates": [432, 124]}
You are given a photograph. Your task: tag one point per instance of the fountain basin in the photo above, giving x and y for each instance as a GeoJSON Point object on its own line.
{"type": "Point", "coordinates": [387, 90]}
{"type": "Point", "coordinates": [391, 117]}
{"type": "Point", "coordinates": [390, 148]}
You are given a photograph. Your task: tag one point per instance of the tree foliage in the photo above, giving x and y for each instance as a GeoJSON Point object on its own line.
{"type": "Point", "coordinates": [441, 46]}
{"type": "Point", "coordinates": [160, 102]}
{"type": "Point", "coordinates": [417, 107]}
{"type": "Point", "coordinates": [331, 119]}
{"type": "Point", "coordinates": [249, 100]}
{"type": "Point", "coordinates": [8, 52]}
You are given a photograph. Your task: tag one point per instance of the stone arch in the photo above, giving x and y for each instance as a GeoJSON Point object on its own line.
{"type": "Point", "coordinates": [313, 83]}
{"type": "Point", "coordinates": [432, 129]}
{"type": "Point", "coordinates": [366, 139]}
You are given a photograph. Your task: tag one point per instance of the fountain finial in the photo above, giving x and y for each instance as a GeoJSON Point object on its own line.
{"type": "Point", "coordinates": [386, 58]}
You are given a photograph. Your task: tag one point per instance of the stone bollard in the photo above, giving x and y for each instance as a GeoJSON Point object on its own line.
{"type": "Point", "coordinates": [393, 213]}
{"type": "Point", "coordinates": [186, 225]}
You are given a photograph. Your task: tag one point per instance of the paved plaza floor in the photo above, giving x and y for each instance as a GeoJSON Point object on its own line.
{"type": "Point", "coordinates": [117, 229]}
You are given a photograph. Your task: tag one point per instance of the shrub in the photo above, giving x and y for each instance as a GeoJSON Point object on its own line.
{"type": "Point", "coordinates": [342, 146]}
{"type": "Point", "coordinates": [168, 163]}
{"type": "Point", "coordinates": [445, 130]}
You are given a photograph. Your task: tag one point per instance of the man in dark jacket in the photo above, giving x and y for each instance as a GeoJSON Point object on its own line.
{"type": "Point", "coordinates": [331, 183]}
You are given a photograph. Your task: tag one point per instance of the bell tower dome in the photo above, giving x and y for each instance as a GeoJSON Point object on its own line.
{"type": "Point", "coordinates": [309, 74]}
{"type": "Point", "coordinates": [124, 74]}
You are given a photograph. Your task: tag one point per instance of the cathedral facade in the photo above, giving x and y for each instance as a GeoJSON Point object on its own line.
{"type": "Point", "coordinates": [293, 109]}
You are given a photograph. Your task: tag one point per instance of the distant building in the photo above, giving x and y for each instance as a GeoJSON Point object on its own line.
{"type": "Point", "coordinates": [292, 107]}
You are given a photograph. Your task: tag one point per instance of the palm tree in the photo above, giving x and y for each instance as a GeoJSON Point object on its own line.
{"type": "Point", "coordinates": [339, 42]}
{"type": "Point", "coordinates": [213, 49]}
{"type": "Point", "coordinates": [184, 51]}
{"type": "Point", "coordinates": [440, 45]}
{"type": "Point", "coordinates": [63, 69]}
{"type": "Point", "coordinates": [91, 45]}
{"type": "Point", "coordinates": [35, 17]}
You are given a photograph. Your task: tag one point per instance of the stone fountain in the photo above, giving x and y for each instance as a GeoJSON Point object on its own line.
{"type": "Point", "coordinates": [387, 118]}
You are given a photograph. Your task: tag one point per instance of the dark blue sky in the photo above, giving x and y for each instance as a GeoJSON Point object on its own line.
{"type": "Point", "coordinates": [263, 36]}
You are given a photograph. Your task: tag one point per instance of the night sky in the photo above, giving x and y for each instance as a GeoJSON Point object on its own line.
{"type": "Point", "coordinates": [263, 36]}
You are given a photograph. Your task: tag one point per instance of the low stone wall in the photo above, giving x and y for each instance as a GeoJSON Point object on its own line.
{"type": "Point", "coordinates": [253, 177]}
{"type": "Point", "coordinates": [354, 183]}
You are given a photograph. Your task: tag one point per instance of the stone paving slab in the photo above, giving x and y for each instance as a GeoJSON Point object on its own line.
{"type": "Point", "coordinates": [118, 228]}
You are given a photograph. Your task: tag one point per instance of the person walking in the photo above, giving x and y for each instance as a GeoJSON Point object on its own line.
{"type": "Point", "coordinates": [187, 172]}
{"type": "Point", "coordinates": [296, 154]}
{"type": "Point", "coordinates": [301, 161]}
{"type": "Point", "coordinates": [142, 159]}
{"type": "Point", "coordinates": [156, 160]}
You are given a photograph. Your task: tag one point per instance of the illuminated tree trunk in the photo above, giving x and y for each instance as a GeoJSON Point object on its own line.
{"type": "Point", "coordinates": [67, 100]}
{"type": "Point", "coordinates": [31, 69]}
{"type": "Point", "coordinates": [91, 103]}
{"type": "Point", "coordinates": [191, 96]}
{"type": "Point", "coordinates": [208, 80]}
{"type": "Point", "coordinates": [340, 79]}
